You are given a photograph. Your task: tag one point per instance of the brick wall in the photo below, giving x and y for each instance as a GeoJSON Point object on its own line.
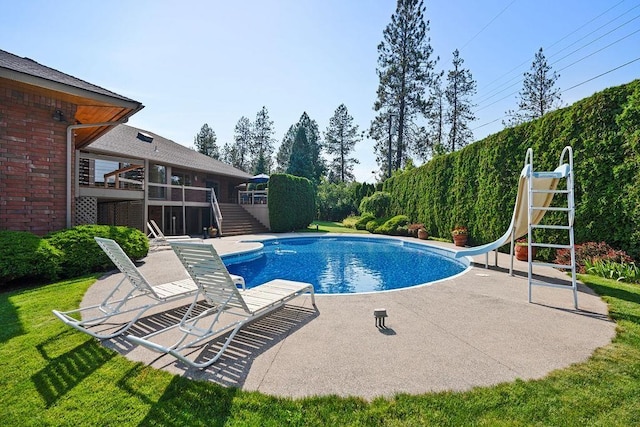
{"type": "Point", "coordinates": [32, 161]}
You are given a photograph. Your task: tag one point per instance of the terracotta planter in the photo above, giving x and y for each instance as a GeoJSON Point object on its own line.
{"type": "Point", "coordinates": [460, 239]}
{"type": "Point", "coordinates": [522, 252]}
{"type": "Point", "coordinates": [213, 232]}
{"type": "Point", "coordinates": [423, 235]}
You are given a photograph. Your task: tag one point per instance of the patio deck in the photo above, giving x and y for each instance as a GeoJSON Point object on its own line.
{"type": "Point", "coordinates": [473, 330]}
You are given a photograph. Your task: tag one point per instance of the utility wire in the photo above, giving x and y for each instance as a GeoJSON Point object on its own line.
{"type": "Point", "coordinates": [602, 74]}
{"type": "Point", "coordinates": [485, 27]}
{"type": "Point", "coordinates": [566, 90]}
{"type": "Point", "coordinates": [489, 95]}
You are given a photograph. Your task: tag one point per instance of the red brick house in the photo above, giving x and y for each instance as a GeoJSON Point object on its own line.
{"type": "Point", "coordinates": [45, 117]}
{"type": "Point", "coordinates": [67, 159]}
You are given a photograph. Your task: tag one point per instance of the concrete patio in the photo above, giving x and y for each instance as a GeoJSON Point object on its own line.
{"type": "Point", "coordinates": [476, 329]}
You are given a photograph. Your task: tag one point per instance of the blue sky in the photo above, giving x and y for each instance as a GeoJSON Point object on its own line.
{"type": "Point", "coordinates": [196, 62]}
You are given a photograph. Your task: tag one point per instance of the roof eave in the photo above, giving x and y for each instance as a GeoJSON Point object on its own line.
{"type": "Point", "coordinates": [71, 90]}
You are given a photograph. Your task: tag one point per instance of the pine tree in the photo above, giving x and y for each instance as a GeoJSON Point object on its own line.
{"type": "Point", "coordinates": [241, 150]}
{"type": "Point", "coordinates": [538, 95]}
{"type": "Point", "coordinates": [340, 138]}
{"type": "Point", "coordinates": [284, 152]}
{"type": "Point", "coordinates": [262, 144]}
{"type": "Point", "coordinates": [205, 142]}
{"type": "Point", "coordinates": [460, 87]}
{"type": "Point", "coordinates": [432, 138]}
{"type": "Point", "coordinates": [313, 139]}
{"type": "Point", "coordinates": [300, 161]}
{"type": "Point", "coordinates": [405, 71]}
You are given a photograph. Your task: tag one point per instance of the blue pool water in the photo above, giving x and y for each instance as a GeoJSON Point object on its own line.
{"type": "Point", "coordinates": [345, 264]}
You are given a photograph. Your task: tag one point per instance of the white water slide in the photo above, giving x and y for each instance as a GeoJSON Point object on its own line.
{"type": "Point", "coordinates": [543, 186]}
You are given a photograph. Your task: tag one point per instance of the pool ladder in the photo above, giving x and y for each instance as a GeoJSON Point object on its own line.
{"type": "Point", "coordinates": [569, 209]}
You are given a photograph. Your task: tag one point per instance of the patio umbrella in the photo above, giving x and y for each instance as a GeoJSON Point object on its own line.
{"type": "Point", "coordinates": [260, 178]}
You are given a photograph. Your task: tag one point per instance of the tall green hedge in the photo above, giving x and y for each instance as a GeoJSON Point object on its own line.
{"type": "Point", "coordinates": [291, 202]}
{"type": "Point", "coordinates": [477, 185]}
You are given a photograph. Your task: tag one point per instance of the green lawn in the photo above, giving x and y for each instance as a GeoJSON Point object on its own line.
{"type": "Point", "coordinates": [331, 227]}
{"type": "Point", "coordinates": [53, 375]}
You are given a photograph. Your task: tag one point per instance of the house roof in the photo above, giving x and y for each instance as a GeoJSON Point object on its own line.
{"type": "Point", "coordinates": [128, 141]}
{"type": "Point", "coordinates": [94, 103]}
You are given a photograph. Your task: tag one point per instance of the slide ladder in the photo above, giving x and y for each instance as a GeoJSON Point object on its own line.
{"type": "Point", "coordinates": [537, 210]}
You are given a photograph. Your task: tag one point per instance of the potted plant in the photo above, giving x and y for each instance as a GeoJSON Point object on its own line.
{"type": "Point", "coordinates": [522, 249]}
{"type": "Point", "coordinates": [460, 235]}
{"type": "Point", "coordinates": [423, 234]}
{"type": "Point", "coordinates": [412, 229]}
{"type": "Point", "coordinates": [213, 232]}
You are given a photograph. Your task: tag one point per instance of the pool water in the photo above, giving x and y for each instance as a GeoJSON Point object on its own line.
{"type": "Point", "coordinates": [338, 265]}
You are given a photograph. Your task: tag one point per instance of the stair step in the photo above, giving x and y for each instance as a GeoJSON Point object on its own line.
{"type": "Point", "coordinates": [551, 227]}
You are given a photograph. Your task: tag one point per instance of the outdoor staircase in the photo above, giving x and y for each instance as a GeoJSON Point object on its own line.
{"type": "Point", "coordinates": [237, 221]}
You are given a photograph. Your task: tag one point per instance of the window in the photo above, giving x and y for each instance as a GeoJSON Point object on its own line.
{"type": "Point", "coordinates": [179, 178]}
{"type": "Point", "coordinates": [157, 175]}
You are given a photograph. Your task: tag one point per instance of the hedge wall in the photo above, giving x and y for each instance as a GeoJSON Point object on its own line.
{"type": "Point", "coordinates": [291, 202]}
{"type": "Point", "coordinates": [477, 185]}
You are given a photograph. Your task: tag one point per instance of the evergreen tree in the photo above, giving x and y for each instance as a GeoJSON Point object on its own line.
{"type": "Point", "coordinates": [300, 162]}
{"type": "Point", "coordinates": [243, 137]}
{"type": "Point", "coordinates": [340, 138]}
{"type": "Point", "coordinates": [460, 87]}
{"type": "Point", "coordinates": [284, 152]}
{"type": "Point", "coordinates": [538, 95]}
{"type": "Point", "coordinates": [260, 164]}
{"type": "Point", "coordinates": [262, 144]}
{"type": "Point", "coordinates": [432, 138]}
{"type": "Point", "coordinates": [405, 71]}
{"type": "Point", "coordinates": [205, 142]}
{"type": "Point", "coordinates": [313, 139]}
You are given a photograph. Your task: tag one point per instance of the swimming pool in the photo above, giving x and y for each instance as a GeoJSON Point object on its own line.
{"type": "Point", "coordinates": [345, 264]}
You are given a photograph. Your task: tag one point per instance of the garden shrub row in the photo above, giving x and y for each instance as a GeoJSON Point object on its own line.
{"type": "Point", "coordinates": [291, 202]}
{"type": "Point", "coordinates": [477, 185]}
{"type": "Point", "coordinates": [63, 254]}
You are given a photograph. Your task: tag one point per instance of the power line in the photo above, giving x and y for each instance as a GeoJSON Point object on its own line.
{"type": "Point", "coordinates": [602, 74]}
{"type": "Point", "coordinates": [490, 95]}
{"type": "Point", "coordinates": [561, 69]}
{"type": "Point", "coordinates": [568, 89]}
{"type": "Point", "coordinates": [490, 22]}
{"type": "Point", "coordinates": [596, 39]}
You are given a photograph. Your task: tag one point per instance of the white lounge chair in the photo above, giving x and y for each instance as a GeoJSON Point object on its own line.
{"type": "Point", "coordinates": [115, 305]}
{"type": "Point", "coordinates": [157, 237]}
{"type": "Point", "coordinates": [231, 308]}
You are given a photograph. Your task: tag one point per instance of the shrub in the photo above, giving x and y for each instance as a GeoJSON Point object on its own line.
{"type": "Point", "coordinates": [81, 253]}
{"type": "Point", "coordinates": [591, 252]}
{"type": "Point", "coordinates": [477, 185]}
{"type": "Point", "coordinates": [377, 204]}
{"type": "Point", "coordinates": [291, 202]}
{"type": "Point", "coordinates": [372, 226]}
{"type": "Point", "coordinates": [622, 272]}
{"type": "Point", "coordinates": [361, 224]}
{"type": "Point", "coordinates": [395, 226]}
{"type": "Point", "coordinates": [25, 255]}
{"type": "Point", "coordinates": [350, 221]}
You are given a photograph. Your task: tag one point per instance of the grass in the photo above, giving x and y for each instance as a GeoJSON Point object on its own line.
{"type": "Point", "coordinates": [331, 227]}
{"type": "Point", "coordinates": [53, 375]}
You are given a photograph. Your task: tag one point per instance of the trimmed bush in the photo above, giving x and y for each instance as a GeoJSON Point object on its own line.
{"type": "Point", "coordinates": [377, 204]}
{"type": "Point", "coordinates": [81, 253]}
{"type": "Point", "coordinates": [396, 226]}
{"type": "Point", "coordinates": [361, 224]}
{"type": "Point", "coordinates": [25, 255]}
{"type": "Point", "coordinates": [477, 185]}
{"type": "Point", "coordinates": [291, 202]}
